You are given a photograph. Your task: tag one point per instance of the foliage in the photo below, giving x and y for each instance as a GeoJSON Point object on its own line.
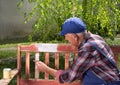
{"type": "Point", "coordinates": [116, 41]}
{"type": "Point", "coordinates": [101, 16]}
{"type": "Point", "coordinates": [50, 14]}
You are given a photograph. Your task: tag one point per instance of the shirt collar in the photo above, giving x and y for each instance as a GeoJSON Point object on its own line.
{"type": "Point", "coordinates": [87, 36]}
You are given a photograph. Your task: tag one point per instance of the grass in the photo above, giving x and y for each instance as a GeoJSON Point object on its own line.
{"type": "Point", "coordinates": [10, 50]}
{"type": "Point", "coordinates": [116, 41]}
{"type": "Point", "coordinates": [5, 53]}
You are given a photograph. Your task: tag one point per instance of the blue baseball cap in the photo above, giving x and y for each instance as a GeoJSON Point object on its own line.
{"type": "Point", "coordinates": [73, 25]}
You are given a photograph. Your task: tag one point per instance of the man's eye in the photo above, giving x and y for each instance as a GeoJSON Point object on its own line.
{"type": "Point", "coordinates": [65, 41]}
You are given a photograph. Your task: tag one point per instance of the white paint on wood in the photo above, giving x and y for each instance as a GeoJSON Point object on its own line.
{"type": "Point", "coordinates": [43, 47]}
{"type": "Point", "coordinates": [37, 56]}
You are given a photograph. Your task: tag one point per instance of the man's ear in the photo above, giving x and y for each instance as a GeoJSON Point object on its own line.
{"type": "Point", "coordinates": [76, 37]}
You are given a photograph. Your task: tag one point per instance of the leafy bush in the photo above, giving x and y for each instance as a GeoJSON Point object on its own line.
{"type": "Point", "coordinates": [101, 16]}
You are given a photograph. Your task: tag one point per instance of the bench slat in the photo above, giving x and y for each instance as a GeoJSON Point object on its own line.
{"type": "Point", "coordinates": [66, 60]}
{"type": "Point", "coordinates": [56, 60]}
{"type": "Point", "coordinates": [37, 55]}
{"type": "Point", "coordinates": [27, 64]}
{"type": "Point", "coordinates": [47, 63]}
{"type": "Point", "coordinates": [45, 82]}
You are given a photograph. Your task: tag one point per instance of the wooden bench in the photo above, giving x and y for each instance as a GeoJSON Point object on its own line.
{"type": "Point", "coordinates": [56, 49]}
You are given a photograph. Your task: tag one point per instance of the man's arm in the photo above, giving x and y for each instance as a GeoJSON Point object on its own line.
{"type": "Point", "coordinates": [44, 68]}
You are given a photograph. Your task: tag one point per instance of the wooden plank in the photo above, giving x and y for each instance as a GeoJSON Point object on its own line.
{"type": "Point", "coordinates": [19, 64]}
{"type": "Point", "coordinates": [27, 65]}
{"type": "Point", "coordinates": [7, 81]}
{"type": "Point", "coordinates": [115, 49]}
{"type": "Point", "coordinates": [46, 47]}
{"type": "Point", "coordinates": [67, 60]}
{"type": "Point", "coordinates": [47, 63]}
{"type": "Point", "coordinates": [37, 57]}
{"type": "Point", "coordinates": [57, 60]}
{"type": "Point", "coordinates": [31, 48]}
{"type": "Point", "coordinates": [45, 82]}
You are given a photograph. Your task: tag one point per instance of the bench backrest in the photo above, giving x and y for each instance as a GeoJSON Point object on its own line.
{"type": "Point", "coordinates": [55, 51]}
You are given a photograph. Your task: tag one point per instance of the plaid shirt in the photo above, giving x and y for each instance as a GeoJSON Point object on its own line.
{"type": "Point", "coordinates": [90, 59]}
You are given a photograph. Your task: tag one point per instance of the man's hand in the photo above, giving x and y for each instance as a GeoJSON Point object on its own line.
{"type": "Point", "coordinates": [44, 68]}
{"type": "Point", "coordinates": [41, 66]}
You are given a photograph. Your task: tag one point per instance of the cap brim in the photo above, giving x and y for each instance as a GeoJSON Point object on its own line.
{"type": "Point", "coordinates": [61, 34]}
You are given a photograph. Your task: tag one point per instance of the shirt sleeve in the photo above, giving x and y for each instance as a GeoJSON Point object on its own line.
{"type": "Point", "coordinates": [81, 64]}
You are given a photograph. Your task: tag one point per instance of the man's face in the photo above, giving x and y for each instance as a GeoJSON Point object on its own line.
{"type": "Point", "coordinates": [71, 38]}
{"type": "Point", "coordinates": [74, 39]}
